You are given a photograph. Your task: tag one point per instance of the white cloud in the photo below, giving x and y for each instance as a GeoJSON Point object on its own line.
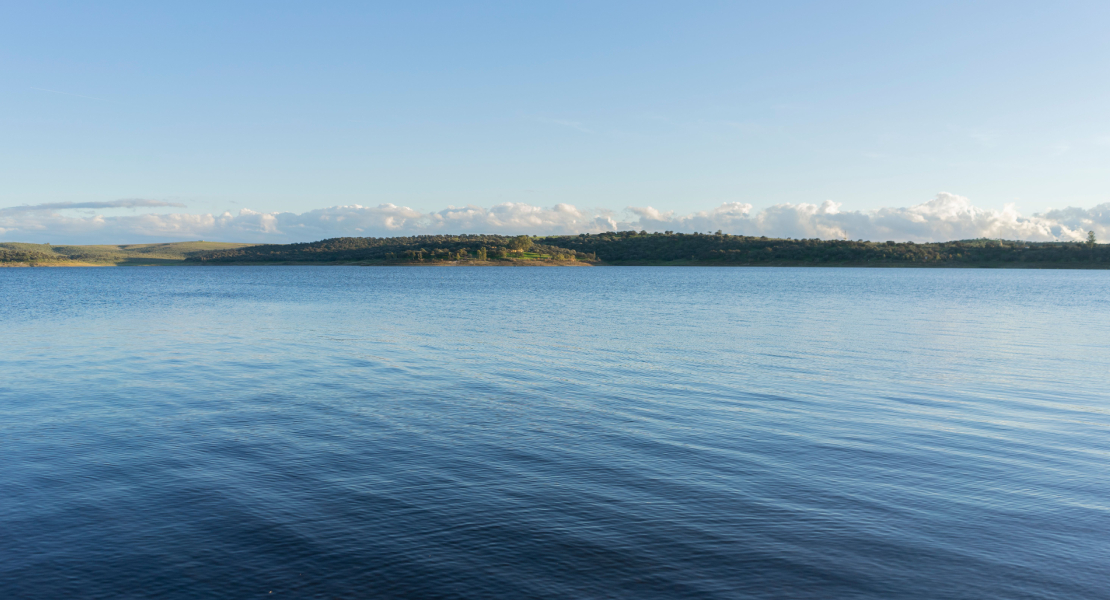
{"type": "Point", "coordinates": [946, 217]}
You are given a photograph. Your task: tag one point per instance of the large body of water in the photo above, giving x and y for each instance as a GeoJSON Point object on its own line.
{"type": "Point", "coordinates": [346, 432]}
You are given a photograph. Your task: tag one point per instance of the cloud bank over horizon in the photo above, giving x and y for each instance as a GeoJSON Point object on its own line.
{"type": "Point", "coordinates": [946, 217]}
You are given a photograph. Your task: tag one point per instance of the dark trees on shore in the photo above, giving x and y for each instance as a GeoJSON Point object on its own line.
{"type": "Point", "coordinates": [629, 247]}
{"type": "Point", "coordinates": [520, 243]}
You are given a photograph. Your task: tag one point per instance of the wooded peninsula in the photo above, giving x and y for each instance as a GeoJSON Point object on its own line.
{"type": "Point", "coordinates": [616, 248]}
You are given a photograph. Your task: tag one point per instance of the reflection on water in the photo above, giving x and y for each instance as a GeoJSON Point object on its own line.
{"type": "Point", "coordinates": [325, 432]}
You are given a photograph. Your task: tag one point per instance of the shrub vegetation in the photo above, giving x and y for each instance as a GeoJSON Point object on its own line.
{"type": "Point", "coordinates": [630, 247]}
{"type": "Point", "coordinates": [625, 247]}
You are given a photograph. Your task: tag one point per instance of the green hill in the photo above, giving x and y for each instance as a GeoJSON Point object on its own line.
{"type": "Point", "coordinates": [642, 248]}
{"type": "Point", "coordinates": [618, 248]}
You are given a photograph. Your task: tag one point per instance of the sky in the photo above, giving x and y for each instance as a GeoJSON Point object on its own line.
{"type": "Point", "coordinates": [276, 121]}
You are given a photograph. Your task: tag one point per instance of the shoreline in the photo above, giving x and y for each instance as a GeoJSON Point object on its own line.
{"type": "Point", "coordinates": [1001, 265]}
{"type": "Point", "coordinates": [610, 249]}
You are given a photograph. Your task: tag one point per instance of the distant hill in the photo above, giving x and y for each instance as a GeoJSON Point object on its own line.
{"type": "Point", "coordinates": [485, 249]}
{"type": "Point", "coordinates": [14, 253]}
{"type": "Point", "coordinates": [632, 248]}
{"type": "Point", "coordinates": [619, 248]}
{"type": "Point", "coordinates": [722, 249]}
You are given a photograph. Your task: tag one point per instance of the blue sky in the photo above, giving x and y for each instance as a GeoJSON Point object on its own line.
{"type": "Point", "coordinates": [680, 107]}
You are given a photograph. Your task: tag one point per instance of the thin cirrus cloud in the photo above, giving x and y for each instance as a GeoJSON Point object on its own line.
{"type": "Point", "coordinates": [51, 206]}
{"type": "Point", "coordinates": [945, 217]}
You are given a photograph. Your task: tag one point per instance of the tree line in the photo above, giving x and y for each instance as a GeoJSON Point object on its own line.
{"type": "Point", "coordinates": [630, 247]}
{"type": "Point", "coordinates": [415, 249]}
{"type": "Point", "coordinates": [626, 247]}
{"type": "Point", "coordinates": [719, 248]}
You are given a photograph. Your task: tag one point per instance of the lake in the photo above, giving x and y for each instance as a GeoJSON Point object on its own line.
{"type": "Point", "coordinates": [616, 432]}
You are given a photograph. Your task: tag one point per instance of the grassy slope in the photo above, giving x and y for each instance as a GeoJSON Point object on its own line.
{"type": "Point", "coordinates": [128, 254]}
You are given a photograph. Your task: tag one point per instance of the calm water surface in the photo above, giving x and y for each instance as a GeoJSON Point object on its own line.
{"type": "Point", "coordinates": [345, 432]}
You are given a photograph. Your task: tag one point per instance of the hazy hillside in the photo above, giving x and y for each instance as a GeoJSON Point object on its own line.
{"type": "Point", "coordinates": [129, 254]}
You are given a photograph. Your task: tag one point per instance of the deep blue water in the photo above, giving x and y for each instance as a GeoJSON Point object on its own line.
{"type": "Point", "coordinates": [346, 432]}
